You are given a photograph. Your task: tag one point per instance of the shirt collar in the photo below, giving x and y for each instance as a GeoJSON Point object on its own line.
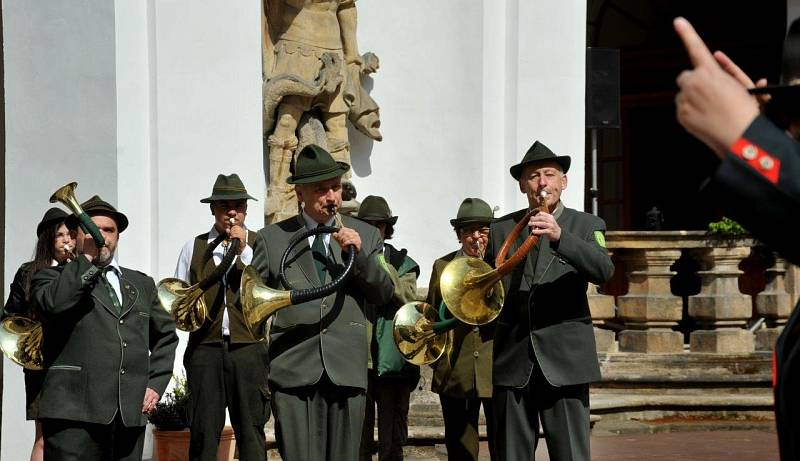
{"type": "Point", "coordinates": [115, 265]}
{"type": "Point", "coordinates": [311, 224]}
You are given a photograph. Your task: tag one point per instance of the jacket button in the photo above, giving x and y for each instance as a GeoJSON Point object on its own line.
{"type": "Point", "coordinates": [324, 330]}
{"type": "Point", "coordinates": [121, 321]}
{"type": "Point", "coordinates": [475, 354]}
{"type": "Point", "coordinates": [124, 344]}
{"type": "Point", "coordinates": [476, 329]}
{"type": "Point", "coordinates": [122, 372]}
{"type": "Point", "coordinates": [749, 152]}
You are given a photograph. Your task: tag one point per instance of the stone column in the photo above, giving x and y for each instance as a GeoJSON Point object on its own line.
{"type": "Point", "coordinates": [649, 309]}
{"type": "Point", "coordinates": [602, 308]}
{"type": "Point", "coordinates": [774, 304]}
{"type": "Point", "coordinates": [720, 309]}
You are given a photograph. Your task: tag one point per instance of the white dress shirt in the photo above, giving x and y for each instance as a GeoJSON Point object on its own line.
{"type": "Point", "coordinates": [185, 261]}
{"type": "Point", "coordinates": [311, 224]}
{"type": "Point", "coordinates": [113, 277]}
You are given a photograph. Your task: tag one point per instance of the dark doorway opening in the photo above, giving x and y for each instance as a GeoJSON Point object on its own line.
{"type": "Point", "coordinates": [651, 160]}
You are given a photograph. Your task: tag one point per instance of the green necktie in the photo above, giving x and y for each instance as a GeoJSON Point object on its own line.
{"type": "Point", "coordinates": [111, 293]}
{"type": "Point", "coordinates": [318, 252]}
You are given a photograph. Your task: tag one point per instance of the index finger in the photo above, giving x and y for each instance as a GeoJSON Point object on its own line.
{"type": "Point", "coordinates": [695, 47]}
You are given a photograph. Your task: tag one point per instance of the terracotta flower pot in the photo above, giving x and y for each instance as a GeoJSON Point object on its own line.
{"type": "Point", "coordinates": [174, 445]}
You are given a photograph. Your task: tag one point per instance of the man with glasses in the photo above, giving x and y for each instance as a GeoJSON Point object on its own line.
{"type": "Point", "coordinates": [544, 350]}
{"type": "Point", "coordinates": [463, 379]}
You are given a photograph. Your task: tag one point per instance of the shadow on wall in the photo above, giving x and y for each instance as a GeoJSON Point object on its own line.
{"type": "Point", "coordinates": [360, 145]}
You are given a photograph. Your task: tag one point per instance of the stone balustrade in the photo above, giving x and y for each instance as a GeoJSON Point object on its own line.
{"type": "Point", "coordinates": [653, 311]}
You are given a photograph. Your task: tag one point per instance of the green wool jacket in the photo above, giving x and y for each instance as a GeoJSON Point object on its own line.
{"type": "Point", "coordinates": [215, 297]}
{"type": "Point", "coordinates": [328, 334]}
{"type": "Point", "coordinates": [465, 371]}
{"type": "Point", "coordinates": [99, 360]}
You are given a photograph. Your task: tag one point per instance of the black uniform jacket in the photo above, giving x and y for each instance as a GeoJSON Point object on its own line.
{"type": "Point", "coordinates": [327, 334]}
{"type": "Point", "coordinates": [100, 360]}
{"type": "Point", "coordinates": [545, 315]}
{"type": "Point", "coordinates": [759, 186]}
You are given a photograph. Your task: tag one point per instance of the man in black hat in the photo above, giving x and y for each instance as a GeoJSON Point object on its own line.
{"type": "Point", "coordinates": [758, 179]}
{"type": "Point", "coordinates": [318, 350]}
{"type": "Point", "coordinates": [225, 364]}
{"type": "Point", "coordinates": [544, 350]}
{"type": "Point", "coordinates": [463, 379]}
{"type": "Point", "coordinates": [390, 378]}
{"type": "Point", "coordinates": [108, 349]}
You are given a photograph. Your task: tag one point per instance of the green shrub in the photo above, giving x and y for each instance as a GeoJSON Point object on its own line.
{"type": "Point", "coordinates": [170, 414]}
{"type": "Point", "coordinates": [727, 228]}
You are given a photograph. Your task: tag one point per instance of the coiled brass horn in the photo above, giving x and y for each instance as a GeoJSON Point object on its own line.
{"type": "Point", "coordinates": [21, 341]}
{"type": "Point", "coordinates": [259, 301]}
{"type": "Point", "coordinates": [185, 303]}
{"type": "Point", "coordinates": [470, 287]}
{"type": "Point", "coordinates": [66, 196]}
{"type": "Point", "coordinates": [419, 335]}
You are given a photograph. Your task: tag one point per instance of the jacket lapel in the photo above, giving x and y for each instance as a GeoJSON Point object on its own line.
{"type": "Point", "coordinates": [101, 294]}
{"type": "Point", "coordinates": [129, 293]}
{"type": "Point", "coordinates": [302, 259]}
{"type": "Point", "coordinates": [547, 257]}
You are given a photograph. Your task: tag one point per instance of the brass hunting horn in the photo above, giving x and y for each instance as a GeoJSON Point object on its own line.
{"type": "Point", "coordinates": [21, 337]}
{"type": "Point", "coordinates": [470, 287]}
{"type": "Point", "coordinates": [419, 335]}
{"type": "Point", "coordinates": [66, 196]}
{"type": "Point", "coordinates": [259, 301]}
{"type": "Point", "coordinates": [185, 303]}
{"type": "Point", "coordinates": [21, 341]}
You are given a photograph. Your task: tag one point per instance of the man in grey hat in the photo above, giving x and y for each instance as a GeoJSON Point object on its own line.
{"type": "Point", "coordinates": [108, 349]}
{"type": "Point", "coordinates": [226, 366]}
{"type": "Point", "coordinates": [544, 350]}
{"type": "Point", "coordinates": [463, 379]}
{"type": "Point", "coordinates": [318, 349]}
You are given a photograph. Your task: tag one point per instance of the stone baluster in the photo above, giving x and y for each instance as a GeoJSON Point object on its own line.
{"type": "Point", "coordinates": [649, 309]}
{"type": "Point", "coordinates": [602, 308]}
{"type": "Point", "coordinates": [720, 310]}
{"type": "Point", "coordinates": [774, 304]}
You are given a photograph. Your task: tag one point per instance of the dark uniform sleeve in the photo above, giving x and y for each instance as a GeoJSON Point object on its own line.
{"type": "Point", "coordinates": [587, 253]}
{"type": "Point", "coordinates": [59, 289]}
{"type": "Point", "coordinates": [163, 342]}
{"type": "Point", "coordinates": [758, 185]}
{"type": "Point", "coordinates": [17, 303]}
{"type": "Point", "coordinates": [261, 257]}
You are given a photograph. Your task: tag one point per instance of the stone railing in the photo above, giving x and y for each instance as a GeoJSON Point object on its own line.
{"type": "Point", "coordinates": [678, 290]}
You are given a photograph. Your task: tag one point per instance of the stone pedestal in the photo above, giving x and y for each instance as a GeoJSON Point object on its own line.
{"type": "Point", "coordinates": [720, 309]}
{"type": "Point", "coordinates": [602, 309]}
{"type": "Point", "coordinates": [649, 309]}
{"type": "Point", "coordinates": [774, 304]}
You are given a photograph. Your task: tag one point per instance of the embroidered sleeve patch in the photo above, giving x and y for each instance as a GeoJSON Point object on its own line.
{"type": "Point", "coordinates": [600, 238]}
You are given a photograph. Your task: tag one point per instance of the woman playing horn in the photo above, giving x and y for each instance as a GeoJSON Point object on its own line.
{"type": "Point", "coordinates": [55, 245]}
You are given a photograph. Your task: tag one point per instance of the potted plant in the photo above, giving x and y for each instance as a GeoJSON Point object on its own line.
{"type": "Point", "coordinates": [171, 421]}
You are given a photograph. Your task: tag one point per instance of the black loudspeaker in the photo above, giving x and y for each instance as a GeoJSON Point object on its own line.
{"type": "Point", "coordinates": [602, 88]}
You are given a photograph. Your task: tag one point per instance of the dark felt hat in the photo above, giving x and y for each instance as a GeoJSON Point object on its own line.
{"type": "Point", "coordinates": [96, 206]}
{"type": "Point", "coordinates": [51, 217]}
{"type": "Point", "coordinates": [315, 164]}
{"type": "Point", "coordinates": [375, 208]}
{"type": "Point", "coordinates": [473, 211]}
{"type": "Point", "coordinates": [228, 188]}
{"type": "Point", "coordinates": [537, 153]}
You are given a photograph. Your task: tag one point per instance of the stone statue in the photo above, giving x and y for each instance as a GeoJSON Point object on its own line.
{"type": "Point", "coordinates": [312, 86]}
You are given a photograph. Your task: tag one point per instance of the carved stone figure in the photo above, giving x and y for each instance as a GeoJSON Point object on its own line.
{"type": "Point", "coordinates": [312, 86]}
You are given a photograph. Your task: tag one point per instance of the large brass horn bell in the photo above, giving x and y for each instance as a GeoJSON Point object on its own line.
{"type": "Point", "coordinates": [416, 336]}
{"type": "Point", "coordinates": [472, 289]}
{"type": "Point", "coordinates": [21, 341]}
{"type": "Point", "coordinates": [259, 301]}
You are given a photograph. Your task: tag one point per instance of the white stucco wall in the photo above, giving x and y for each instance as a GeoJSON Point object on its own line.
{"type": "Point", "coordinates": [144, 102]}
